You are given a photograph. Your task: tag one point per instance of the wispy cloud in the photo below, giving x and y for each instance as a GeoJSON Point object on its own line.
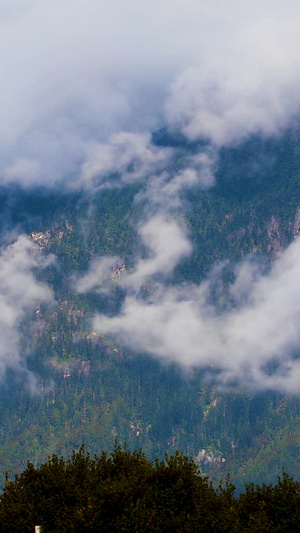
{"type": "Point", "coordinates": [254, 338]}
{"type": "Point", "coordinates": [83, 85]}
{"type": "Point", "coordinates": [126, 158]}
{"type": "Point", "coordinates": [19, 292]}
{"type": "Point", "coordinates": [98, 279]}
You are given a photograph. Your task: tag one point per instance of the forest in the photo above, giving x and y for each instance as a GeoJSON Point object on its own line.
{"type": "Point", "coordinates": [126, 492]}
{"type": "Point", "coordinates": [90, 388]}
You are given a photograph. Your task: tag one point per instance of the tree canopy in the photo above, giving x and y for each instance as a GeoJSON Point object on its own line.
{"type": "Point", "coordinates": [124, 492]}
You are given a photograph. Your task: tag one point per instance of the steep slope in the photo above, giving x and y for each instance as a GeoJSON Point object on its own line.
{"type": "Point", "coordinates": [91, 388]}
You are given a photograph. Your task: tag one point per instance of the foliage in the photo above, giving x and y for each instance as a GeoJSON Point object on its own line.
{"type": "Point", "coordinates": [88, 387]}
{"type": "Point", "coordinates": [126, 492]}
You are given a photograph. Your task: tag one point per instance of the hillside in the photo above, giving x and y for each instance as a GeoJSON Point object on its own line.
{"type": "Point", "coordinates": [90, 386]}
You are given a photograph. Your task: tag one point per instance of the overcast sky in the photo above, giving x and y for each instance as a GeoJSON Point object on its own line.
{"type": "Point", "coordinates": [74, 73]}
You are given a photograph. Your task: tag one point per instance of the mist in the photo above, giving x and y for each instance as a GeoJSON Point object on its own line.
{"type": "Point", "coordinates": [20, 292]}
{"type": "Point", "coordinates": [84, 86]}
{"type": "Point", "coordinates": [253, 339]}
{"type": "Point", "coordinates": [75, 74]}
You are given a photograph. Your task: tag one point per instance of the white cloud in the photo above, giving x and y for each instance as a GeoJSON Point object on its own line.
{"type": "Point", "coordinates": [255, 339]}
{"type": "Point", "coordinates": [25, 170]}
{"type": "Point", "coordinates": [166, 244]}
{"type": "Point", "coordinates": [98, 277]}
{"type": "Point", "coordinates": [163, 191]}
{"type": "Point", "coordinates": [83, 84]}
{"type": "Point", "coordinates": [131, 156]}
{"type": "Point", "coordinates": [245, 78]}
{"type": "Point", "coordinates": [76, 73]}
{"type": "Point", "coordinates": [19, 292]}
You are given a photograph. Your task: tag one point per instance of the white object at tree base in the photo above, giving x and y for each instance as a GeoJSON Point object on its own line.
{"type": "Point", "coordinates": [37, 529]}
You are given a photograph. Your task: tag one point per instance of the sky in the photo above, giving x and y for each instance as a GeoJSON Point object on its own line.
{"type": "Point", "coordinates": [76, 73]}
{"type": "Point", "coordinates": [83, 86]}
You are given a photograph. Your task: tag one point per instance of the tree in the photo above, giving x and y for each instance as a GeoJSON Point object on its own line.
{"type": "Point", "coordinates": [121, 492]}
{"type": "Point", "coordinates": [126, 492]}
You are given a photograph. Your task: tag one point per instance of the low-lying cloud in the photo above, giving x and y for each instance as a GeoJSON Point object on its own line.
{"type": "Point", "coordinates": [84, 83]}
{"type": "Point", "coordinates": [98, 278]}
{"type": "Point", "coordinates": [130, 157]}
{"type": "Point", "coordinates": [19, 293]}
{"type": "Point", "coordinates": [254, 338]}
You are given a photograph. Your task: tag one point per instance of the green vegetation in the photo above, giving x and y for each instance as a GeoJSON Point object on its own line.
{"type": "Point", "coordinates": [126, 492]}
{"type": "Point", "coordinates": [93, 390]}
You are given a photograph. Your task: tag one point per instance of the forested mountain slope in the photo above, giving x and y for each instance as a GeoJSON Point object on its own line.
{"type": "Point", "coordinates": [92, 388]}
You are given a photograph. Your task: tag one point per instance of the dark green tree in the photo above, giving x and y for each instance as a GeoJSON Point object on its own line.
{"type": "Point", "coordinates": [121, 492]}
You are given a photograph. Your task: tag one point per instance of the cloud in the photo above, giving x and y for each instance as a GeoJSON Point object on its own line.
{"type": "Point", "coordinates": [76, 74]}
{"type": "Point", "coordinates": [245, 79]}
{"type": "Point", "coordinates": [98, 278]}
{"type": "Point", "coordinates": [19, 292]}
{"type": "Point", "coordinates": [130, 156]}
{"type": "Point", "coordinates": [166, 244]}
{"type": "Point", "coordinates": [254, 338]}
{"type": "Point", "coordinates": [83, 85]}
{"type": "Point", "coordinates": [164, 190]}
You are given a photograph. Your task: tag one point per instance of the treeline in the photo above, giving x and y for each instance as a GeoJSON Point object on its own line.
{"type": "Point", "coordinates": [101, 392]}
{"type": "Point", "coordinates": [126, 492]}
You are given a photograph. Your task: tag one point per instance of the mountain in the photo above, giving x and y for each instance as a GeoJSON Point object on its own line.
{"type": "Point", "coordinates": [72, 383]}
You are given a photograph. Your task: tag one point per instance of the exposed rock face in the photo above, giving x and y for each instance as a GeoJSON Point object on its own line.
{"type": "Point", "coordinates": [296, 228]}
{"type": "Point", "coordinates": [42, 239]}
{"type": "Point", "coordinates": [136, 428]}
{"type": "Point", "coordinates": [85, 368]}
{"type": "Point", "coordinates": [274, 234]}
{"type": "Point", "coordinates": [236, 236]}
{"type": "Point", "coordinates": [206, 456]}
{"type": "Point", "coordinates": [55, 234]}
{"type": "Point", "coordinates": [94, 338]}
{"type": "Point", "coordinates": [214, 403]}
{"type": "Point", "coordinates": [117, 272]}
